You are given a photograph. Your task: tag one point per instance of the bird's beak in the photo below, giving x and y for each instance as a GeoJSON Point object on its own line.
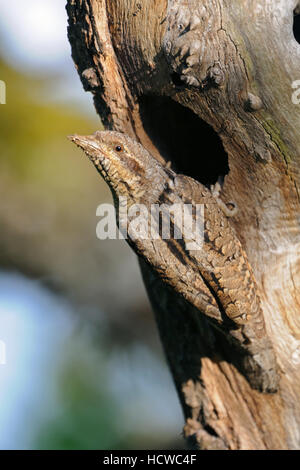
{"type": "Point", "coordinates": [88, 143]}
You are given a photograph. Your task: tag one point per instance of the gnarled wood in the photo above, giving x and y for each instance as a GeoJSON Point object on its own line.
{"type": "Point", "coordinates": [231, 65]}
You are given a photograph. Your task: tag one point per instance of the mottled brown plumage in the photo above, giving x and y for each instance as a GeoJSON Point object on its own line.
{"type": "Point", "coordinates": [216, 279]}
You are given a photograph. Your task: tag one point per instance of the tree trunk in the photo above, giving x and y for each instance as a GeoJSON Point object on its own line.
{"type": "Point", "coordinates": [207, 85]}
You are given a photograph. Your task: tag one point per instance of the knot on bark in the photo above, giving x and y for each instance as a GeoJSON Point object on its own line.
{"type": "Point", "coordinates": [189, 45]}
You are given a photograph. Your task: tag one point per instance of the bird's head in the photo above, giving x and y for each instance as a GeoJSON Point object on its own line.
{"type": "Point", "coordinates": [125, 165]}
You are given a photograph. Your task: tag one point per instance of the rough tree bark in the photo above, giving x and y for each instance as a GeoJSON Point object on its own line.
{"type": "Point", "coordinates": [207, 84]}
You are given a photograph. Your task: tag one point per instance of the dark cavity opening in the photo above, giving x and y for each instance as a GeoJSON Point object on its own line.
{"type": "Point", "coordinates": [177, 80]}
{"type": "Point", "coordinates": [191, 145]}
{"type": "Point", "coordinates": [296, 26]}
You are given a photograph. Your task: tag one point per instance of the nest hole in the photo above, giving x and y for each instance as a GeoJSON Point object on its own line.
{"type": "Point", "coordinates": [296, 26]}
{"type": "Point", "coordinates": [192, 146]}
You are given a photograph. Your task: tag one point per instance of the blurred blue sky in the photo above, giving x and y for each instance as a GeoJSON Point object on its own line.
{"type": "Point", "coordinates": [34, 35]}
{"type": "Point", "coordinates": [33, 39]}
{"type": "Point", "coordinates": [34, 325]}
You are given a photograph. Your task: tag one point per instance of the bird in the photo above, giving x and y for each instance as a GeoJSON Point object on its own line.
{"type": "Point", "coordinates": [209, 269]}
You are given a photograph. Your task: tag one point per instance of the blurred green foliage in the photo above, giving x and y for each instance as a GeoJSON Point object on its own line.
{"type": "Point", "coordinates": [32, 127]}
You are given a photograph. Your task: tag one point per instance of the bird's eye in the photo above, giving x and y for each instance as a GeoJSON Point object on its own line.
{"type": "Point", "coordinates": [118, 148]}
